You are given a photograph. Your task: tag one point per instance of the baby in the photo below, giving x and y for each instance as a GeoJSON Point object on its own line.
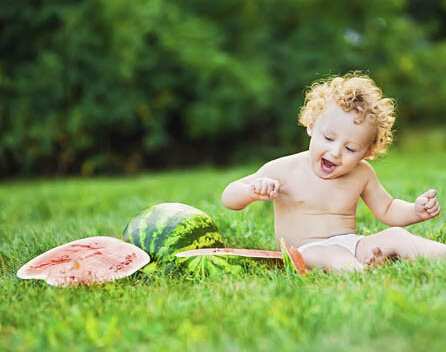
{"type": "Point", "coordinates": [316, 192]}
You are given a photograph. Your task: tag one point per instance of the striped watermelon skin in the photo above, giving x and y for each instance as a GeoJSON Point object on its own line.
{"type": "Point", "coordinates": [168, 228]}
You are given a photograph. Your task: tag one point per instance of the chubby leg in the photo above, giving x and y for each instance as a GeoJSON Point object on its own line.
{"type": "Point", "coordinates": [334, 257]}
{"type": "Point", "coordinates": [397, 242]}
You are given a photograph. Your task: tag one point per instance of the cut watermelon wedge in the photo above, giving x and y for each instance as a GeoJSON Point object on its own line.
{"type": "Point", "coordinates": [292, 258]}
{"type": "Point", "coordinates": [93, 259]}
{"type": "Point", "coordinates": [253, 253]}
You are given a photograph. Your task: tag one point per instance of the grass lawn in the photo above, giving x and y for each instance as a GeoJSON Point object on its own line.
{"type": "Point", "coordinates": [397, 307]}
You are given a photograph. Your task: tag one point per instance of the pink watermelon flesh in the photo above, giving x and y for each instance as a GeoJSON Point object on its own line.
{"type": "Point", "coordinates": [93, 259]}
{"type": "Point", "coordinates": [252, 253]}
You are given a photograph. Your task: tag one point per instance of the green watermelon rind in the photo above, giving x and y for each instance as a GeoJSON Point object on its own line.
{"type": "Point", "coordinates": [287, 261]}
{"type": "Point", "coordinates": [171, 230]}
{"type": "Point", "coordinates": [209, 265]}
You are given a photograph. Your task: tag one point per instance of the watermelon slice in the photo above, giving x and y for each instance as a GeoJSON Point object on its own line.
{"type": "Point", "coordinates": [93, 259]}
{"type": "Point", "coordinates": [205, 261]}
{"type": "Point", "coordinates": [292, 258]}
{"type": "Point", "coordinates": [252, 253]}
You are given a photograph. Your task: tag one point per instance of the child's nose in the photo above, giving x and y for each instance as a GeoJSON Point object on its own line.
{"type": "Point", "coordinates": [336, 151]}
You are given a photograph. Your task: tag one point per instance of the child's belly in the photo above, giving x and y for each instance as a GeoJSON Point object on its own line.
{"type": "Point", "coordinates": [299, 229]}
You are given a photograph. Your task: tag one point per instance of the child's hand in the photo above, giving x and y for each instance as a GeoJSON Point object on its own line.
{"type": "Point", "coordinates": [427, 206]}
{"type": "Point", "coordinates": [264, 188]}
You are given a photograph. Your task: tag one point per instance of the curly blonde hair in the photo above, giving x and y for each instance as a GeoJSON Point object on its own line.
{"type": "Point", "coordinates": [353, 92]}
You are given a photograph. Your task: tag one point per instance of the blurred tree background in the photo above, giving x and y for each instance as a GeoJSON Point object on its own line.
{"type": "Point", "coordinates": [94, 86]}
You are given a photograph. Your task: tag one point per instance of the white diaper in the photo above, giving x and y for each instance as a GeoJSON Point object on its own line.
{"type": "Point", "coordinates": [348, 241]}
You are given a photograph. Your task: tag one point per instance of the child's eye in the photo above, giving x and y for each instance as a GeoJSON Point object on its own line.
{"type": "Point", "coordinates": [350, 149]}
{"type": "Point", "coordinates": [328, 138]}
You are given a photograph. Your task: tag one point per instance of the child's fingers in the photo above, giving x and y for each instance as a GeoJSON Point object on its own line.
{"type": "Point", "coordinates": [430, 194]}
{"type": "Point", "coordinates": [430, 203]}
{"type": "Point", "coordinates": [256, 186]}
{"type": "Point", "coordinates": [422, 200]}
{"type": "Point", "coordinates": [264, 190]}
{"type": "Point", "coordinates": [262, 187]}
{"type": "Point", "coordinates": [274, 189]}
{"type": "Point", "coordinates": [433, 209]}
{"type": "Point", "coordinates": [436, 213]}
{"type": "Point", "coordinates": [270, 187]}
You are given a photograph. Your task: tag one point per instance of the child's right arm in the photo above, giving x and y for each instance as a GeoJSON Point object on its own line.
{"type": "Point", "coordinates": [238, 194]}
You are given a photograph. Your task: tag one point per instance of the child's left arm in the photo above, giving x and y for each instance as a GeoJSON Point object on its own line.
{"type": "Point", "coordinates": [396, 212]}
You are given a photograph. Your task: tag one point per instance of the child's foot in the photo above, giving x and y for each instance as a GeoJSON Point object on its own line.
{"type": "Point", "coordinates": [376, 258]}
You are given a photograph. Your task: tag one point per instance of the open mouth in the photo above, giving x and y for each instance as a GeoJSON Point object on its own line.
{"type": "Point", "coordinates": [327, 166]}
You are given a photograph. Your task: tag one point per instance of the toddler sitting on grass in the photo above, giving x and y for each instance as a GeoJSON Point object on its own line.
{"type": "Point", "coordinates": [316, 192]}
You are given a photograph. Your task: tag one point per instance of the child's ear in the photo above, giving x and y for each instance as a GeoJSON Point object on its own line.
{"type": "Point", "coordinates": [310, 129]}
{"type": "Point", "coordinates": [368, 153]}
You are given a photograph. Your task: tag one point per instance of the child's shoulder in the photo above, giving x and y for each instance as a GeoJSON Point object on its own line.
{"type": "Point", "coordinates": [284, 164]}
{"type": "Point", "coordinates": [288, 160]}
{"type": "Point", "coordinates": [365, 169]}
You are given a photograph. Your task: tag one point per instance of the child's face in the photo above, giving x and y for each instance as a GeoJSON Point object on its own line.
{"type": "Point", "coordinates": [338, 144]}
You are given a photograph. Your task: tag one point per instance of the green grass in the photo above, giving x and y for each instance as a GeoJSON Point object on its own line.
{"type": "Point", "coordinates": [397, 307]}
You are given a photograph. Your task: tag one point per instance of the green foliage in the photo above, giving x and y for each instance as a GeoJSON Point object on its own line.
{"type": "Point", "coordinates": [94, 86]}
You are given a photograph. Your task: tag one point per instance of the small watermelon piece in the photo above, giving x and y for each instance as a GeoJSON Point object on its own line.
{"type": "Point", "coordinates": [241, 252]}
{"type": "Point", "coordinates": [292, 259]}
{"type": "Point", "coordinates": [84, 261]}
{"type": "Point", "coordinates": [210, 261]}
{"type": "Point", "coordinates": [168, 228]}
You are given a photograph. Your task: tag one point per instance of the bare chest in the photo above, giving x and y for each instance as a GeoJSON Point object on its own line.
{"type": "Point", "coordinates": [314, 195]}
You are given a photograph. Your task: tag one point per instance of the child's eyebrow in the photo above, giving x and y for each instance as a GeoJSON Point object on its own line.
{"type": "Point", "coordinates": [355, 145]}
{"type": "Point", "coordinates": [328, 131]}
{"type": "Point", "coordinates": [333, 134]}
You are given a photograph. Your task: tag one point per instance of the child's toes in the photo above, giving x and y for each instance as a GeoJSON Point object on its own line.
{"type": "Point", "coordinates": [375, 258]}
{"type": "Point", "coordinates": [378, 255]}
{"type": "Point", "coordinates": [370, 260]}
{"type": "Point", "coordinates": [377, 252]}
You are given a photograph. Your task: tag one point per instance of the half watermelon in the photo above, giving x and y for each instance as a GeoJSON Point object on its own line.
{"type": "Point", "coordinates": [93, 259]}
{"type": "Point", "coordinates": [168, 228]}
